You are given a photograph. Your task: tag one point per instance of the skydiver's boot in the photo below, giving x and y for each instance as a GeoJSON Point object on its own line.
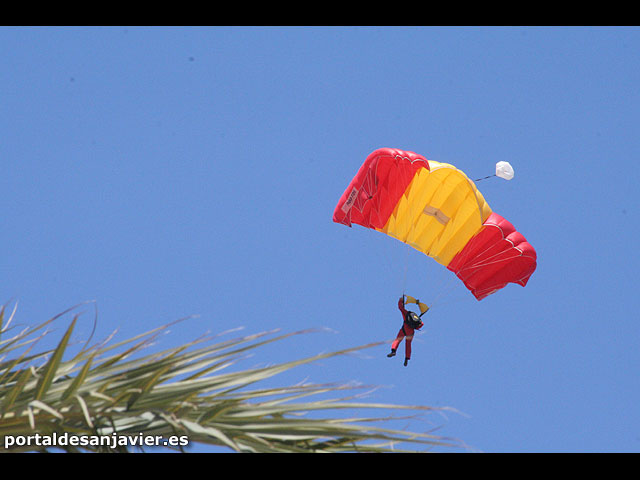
{"type": "Point", "coordinates": [392, 354]}
{"type": "Point", "coordinates": [406, 360]}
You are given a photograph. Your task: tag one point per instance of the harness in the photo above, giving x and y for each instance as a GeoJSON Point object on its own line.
{"type": "Point", "coordinates": [412, 319]}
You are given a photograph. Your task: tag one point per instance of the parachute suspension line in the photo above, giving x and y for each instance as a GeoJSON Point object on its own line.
{"type": "Point", "coordinates": [448, 299]}
{"type": "Point", "coordinates": [444, 291]}
{"type": "Point", "coordinates": [408, 175]}
{"type": "Point", "coordinates": [484, 178]}
{"type": "Point", "coordinates": [406, 268]}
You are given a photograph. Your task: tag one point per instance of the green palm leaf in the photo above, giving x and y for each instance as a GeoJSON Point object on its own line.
{"type": "Point", "coordinates": [113, 392]}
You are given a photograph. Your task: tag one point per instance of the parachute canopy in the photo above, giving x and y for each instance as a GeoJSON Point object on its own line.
{"type": "Point", "coordinates": [504, 170]}
{"type": "Point", "coordinates": [435, 208]}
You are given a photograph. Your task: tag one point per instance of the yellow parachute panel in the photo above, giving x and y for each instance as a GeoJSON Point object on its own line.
{"type": "Point", "coordinates": [439, 212]}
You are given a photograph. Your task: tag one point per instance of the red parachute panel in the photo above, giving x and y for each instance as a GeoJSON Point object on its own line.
{"type": "Point", "coordinates": [374, 192]}
{"type": "Point", "coordinates": [495, 256]}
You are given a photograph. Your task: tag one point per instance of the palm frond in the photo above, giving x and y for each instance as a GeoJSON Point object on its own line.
{"type": "Point", "coordinates": [110, 396]}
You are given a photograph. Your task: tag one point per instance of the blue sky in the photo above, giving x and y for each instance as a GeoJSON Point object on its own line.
{"type": "Point", "coordinates": [166, 172]}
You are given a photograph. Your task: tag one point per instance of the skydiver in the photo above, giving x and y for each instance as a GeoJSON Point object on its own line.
{"type": "Point", "coordinates": [411, 322]}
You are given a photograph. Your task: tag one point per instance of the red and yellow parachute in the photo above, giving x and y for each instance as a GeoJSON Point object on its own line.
{"type": "Point", "coordinates": [435, 208]}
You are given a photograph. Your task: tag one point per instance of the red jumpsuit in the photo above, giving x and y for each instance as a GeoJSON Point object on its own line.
{"type": "Point", "coordinates": [405, 332]}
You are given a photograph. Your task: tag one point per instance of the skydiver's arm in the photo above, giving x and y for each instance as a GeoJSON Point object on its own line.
{"type": "Point", "coordinates": [401, 306]}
